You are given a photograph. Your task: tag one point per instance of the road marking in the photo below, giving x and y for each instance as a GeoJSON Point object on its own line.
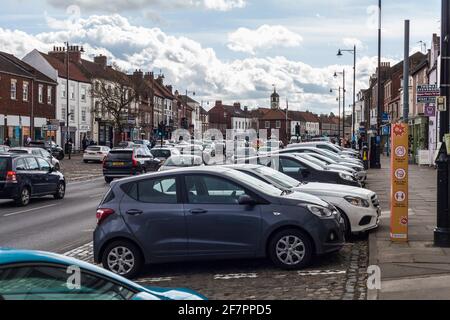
{"type": "Point", "coordinates": [235, 276]}
{"type": "Point", "coordinates": [154, 280]}
{"type": "Point", "coordinates": [320, 272]}
{"type": "Point", "coordinates": [97, 195]}
{"type": "Point", "coordinates": [29, 210]}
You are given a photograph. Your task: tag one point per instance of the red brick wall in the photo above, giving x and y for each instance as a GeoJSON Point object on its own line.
{"type": "Point", "coordinates": [23, 108]}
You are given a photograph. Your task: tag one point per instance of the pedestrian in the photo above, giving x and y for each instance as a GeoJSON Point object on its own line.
{"type": "Point", "coordinates": [84, 143]}
{"type": "Point", "coordinates": [28, 141]}
{"type": "Point", "coordinates": [7, 142]}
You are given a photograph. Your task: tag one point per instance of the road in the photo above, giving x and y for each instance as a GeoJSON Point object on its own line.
{"type": "Point", "coordinates": [51, 225]}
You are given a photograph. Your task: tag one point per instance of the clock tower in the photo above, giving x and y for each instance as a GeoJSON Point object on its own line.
{"type": "Point", "coordinates": [275, 100]}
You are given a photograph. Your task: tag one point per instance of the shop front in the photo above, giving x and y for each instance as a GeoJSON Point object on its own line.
{"type": "Point", "coordinates": [418, 136]}
{"type": "Point", "coordinates": [105, 134]}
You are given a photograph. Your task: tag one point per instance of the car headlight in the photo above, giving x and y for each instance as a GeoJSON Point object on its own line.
{"type": "Point", "coordinates": [346, 177]}
{"type": "Point", "coordinates": [358, 202]}
{"type": "Point", "coordinates": [319, 211]}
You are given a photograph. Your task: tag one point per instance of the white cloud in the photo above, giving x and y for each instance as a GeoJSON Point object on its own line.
{"type": "Point", "coordinates": [350, 42]}
{"type": "Point", "coordinates": [187, 64]}
{"type": "Point", "coordinates": [265, 37]}
{"type": "Point", "coordinates": [134, 5]}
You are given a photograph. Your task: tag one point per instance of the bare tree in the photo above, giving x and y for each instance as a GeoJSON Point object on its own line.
{"type": "Point", "coordinates": [115, 98]}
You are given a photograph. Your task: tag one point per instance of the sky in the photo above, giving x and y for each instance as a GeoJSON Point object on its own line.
{"type": "Point", "coordinates": [229, 50]}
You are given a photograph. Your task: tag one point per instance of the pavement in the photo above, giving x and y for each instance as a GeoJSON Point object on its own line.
{"type": "Point", "coordinates": [76, 170]}
{"type": "Point", "coordinates": [414, 270]}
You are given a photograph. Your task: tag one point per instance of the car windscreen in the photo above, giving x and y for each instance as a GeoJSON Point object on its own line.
{"type": "Point", "coordinates": [309, 163]}
{"type": "Point", "coordinates": [160, 153]}
{"type": "Point", "coordinates": [120, 155]}
{"type": "Point", "coordinates": [314, 160]}
{"type": "Point", "coordinates": [277, 177]}
{"type": "Point", "coordinates": [253, 182]}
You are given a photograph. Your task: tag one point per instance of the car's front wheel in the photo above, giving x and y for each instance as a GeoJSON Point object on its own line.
{"type": "Point", "coordinates": [291, 249]}
{"type": "Point", "coordinates": [24, 197]}
{"type": "Point", "coordinates": [60, 191]}
{"type": "Point", "coordinates": [123, 258]}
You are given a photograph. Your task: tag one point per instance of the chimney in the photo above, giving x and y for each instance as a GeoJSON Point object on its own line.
{"type": "Point", "coordinates": [237, 105]}
{"type": "Point", "coordinates": [160, 79]}
{"type": "Point", "coordinates": [101, 60]}
{"type": "Point", "coordinates": [148, 76]}
{"type": "Point", "coordinates": [58, 53]}
{"type": "Point", "coordinates": [138, 74]}
{"type": "Point", "coordinates": [218, 103]}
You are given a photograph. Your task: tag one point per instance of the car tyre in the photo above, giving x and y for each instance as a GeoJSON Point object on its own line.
{"type": "Point", "coordinates": [60, 191]}
{"type": "Point", "coordinates": [291, 249]}
{"type": "Point", "coordinates": [57, 167]}
{"type": "Point", "coordinates": [123, 258]}
{"type": "Point", "coordinates": [24, 197]}
{"type": "Point", "coordinates": [348, 227]}
{"type": "Point", "coordinates": [85, 161]}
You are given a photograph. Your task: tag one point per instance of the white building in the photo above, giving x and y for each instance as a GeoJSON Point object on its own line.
{"type": "Point", "coordinates": [79, 91]}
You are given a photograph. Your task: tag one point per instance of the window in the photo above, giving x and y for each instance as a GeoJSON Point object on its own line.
{"type": "Point", "coordinates": [162, 191]}
{"type": "Point", "coordinates": [83, 115]}
{"type": "Point", "coordinates": [13, 89]}
{"type": "Point", "coordinates": [49, 95]}
{"type": "Point", "coordinates": [32, 164]}
{"type": "Point", "coordinates": [21, 165]}
{"type": "Point", "coordinates": [63, 90]}
{"type": "Point", "coordinates": [291, 166]}
{"type": "Point", "coordinates": [83, 94]}
{"type": "Point", "coordinates": [48, 282]}
{"type": "Point", "coordinates": [72, 114]}
{"type": "Point", "coordinates": [44, 165]}
{"type": "Point", "coordinates": [63, 113]}
{"type": "Point", "coordinates": [267, 124]}
{"type": "Point", "coordinates": [278, 124]}
{"type": "Point", "coordinates": [72, 92]}
{"type": "Point", "coordinates": [212, 190]}
{"type": "Point", "coordinates": [40, 93]}
{"type": "Point", "coordinates": [25, 91]}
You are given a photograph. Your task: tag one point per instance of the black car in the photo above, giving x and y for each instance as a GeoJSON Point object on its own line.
{"type": "Point", "coordinates": [50, 146]}
{"type": "Point", "coordinates": [23, 177]}
{"type": "Point", "coordinates": [304, 170]}
{"type": "Point", "coordinates": [121, 163]}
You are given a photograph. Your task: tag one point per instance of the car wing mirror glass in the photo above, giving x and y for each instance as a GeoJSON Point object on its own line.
{"type": "Point", "coordinates": [246, 200]}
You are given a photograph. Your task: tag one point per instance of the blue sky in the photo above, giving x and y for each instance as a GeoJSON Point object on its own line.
{"type": "Point", "coordinates": [242, 63]}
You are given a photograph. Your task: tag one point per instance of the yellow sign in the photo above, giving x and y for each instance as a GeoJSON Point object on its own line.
{"type": "Point", "coordinates": [399, 183]}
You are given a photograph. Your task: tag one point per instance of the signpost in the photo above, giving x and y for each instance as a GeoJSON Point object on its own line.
{"type": "Point", "coordinates": [399, 183]}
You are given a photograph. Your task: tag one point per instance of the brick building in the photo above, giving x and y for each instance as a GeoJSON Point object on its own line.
{"type": "Point", "coordinates": [27, 101]}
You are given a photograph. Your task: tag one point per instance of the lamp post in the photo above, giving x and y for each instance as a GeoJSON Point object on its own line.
{"type": "Point", "coordinates": [442, 231]}
{"type": "Point", "coordinates": [339, 114]}
{"type": "Point", "coordinates": [377, 164]}
{"type": "Point", "coordinates": [336, 74]}
{"type": "Point", "coordinates": [354, 84]}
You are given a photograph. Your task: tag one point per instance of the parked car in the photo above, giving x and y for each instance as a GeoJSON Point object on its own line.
{"type": "Point", "coordinates": [39, 152]}
{"type": "Point", "coordinates": [95, 153]}
{"type": "Point", "coordinates": [181, 161]}
{"type": "Point", "coordinates": [210, 213]}
{"type": "Point", "coordinates": [143, 142]}
{"type": "Point", "coordinates": [304, 170]}
{"type": "Point", "coordinates": [125, 145]}
{"type": "Point", "coordinates": [359, 207]}
{"type": "Point", "coordinates": [327, 146]}
{"type": "Point", "coordinates": [120, 163]}
{"type": "Point", "coordinates": [164, 153]}
{"type": "Point", "coordinates": [37, 275]}
{"type": "Point", "coordinates": [24, 176]}
{"type": "Point", "coordinates": [327, 166]}
{"type": "Point", "coordinates": [336, 157]}
{"type": "Point", "coordinates": [51, 147]}
{"type": "Point", "coordinates": [4, 149]}
{"type": "Point", "coordinates": [361, 173]}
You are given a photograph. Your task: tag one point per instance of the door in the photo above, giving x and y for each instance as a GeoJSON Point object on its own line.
{"type": "Point", "coordinates": [217, 225]}
{"type": "Point", "coordinates": [50, 179]}
{"type": "Point", "coordinates": [35, 176]}
{"type": "Point", "coordinates": [154, 213]}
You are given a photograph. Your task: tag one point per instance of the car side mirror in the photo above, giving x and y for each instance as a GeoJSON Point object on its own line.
{"type": "Point", "coordinates": [305, 173]}
{"type": "Point", "coordinates": [246, 200]}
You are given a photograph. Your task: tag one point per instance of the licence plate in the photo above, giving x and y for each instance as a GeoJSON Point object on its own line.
{"type": "Point", "coordinates": [118, 164]}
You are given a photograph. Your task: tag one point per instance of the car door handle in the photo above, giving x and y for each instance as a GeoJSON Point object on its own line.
{"type": "Point", "coordinates": [198, 211]}
{"type": "Point", "coordinates": [134, 212]}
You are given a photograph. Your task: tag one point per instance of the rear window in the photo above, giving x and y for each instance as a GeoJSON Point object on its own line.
{"type": "Point", "coordinates": [94, 149]}
{"type": "Point", "coordinates": [120, 155]}
{"type": "Point", "coordinates": [161, 153]}
{"type": "Point", "coordinates": [18, 151]}
{"type": "Point", "coordinates": [4, 162]}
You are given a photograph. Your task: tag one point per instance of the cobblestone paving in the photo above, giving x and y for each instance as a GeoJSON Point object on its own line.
{"type": "Point", "coordinates": [76, 170]}
{"type": "Point", "coordinates": [340, 276]}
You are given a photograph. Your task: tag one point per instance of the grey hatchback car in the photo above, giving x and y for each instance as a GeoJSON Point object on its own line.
{"type": "Point", "coordinates": [210, 213]}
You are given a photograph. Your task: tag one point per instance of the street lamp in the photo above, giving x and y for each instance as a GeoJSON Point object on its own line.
{"type": "Point", "coordinates": [339, 114]}
{"type": "Point", "coordinates": [336, 74]}
{"type": "Point", "coordinates": [340, 54]}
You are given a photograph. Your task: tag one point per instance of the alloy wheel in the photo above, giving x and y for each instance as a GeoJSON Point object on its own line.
{"type": "Point", "coordinates": [290, 250]}
{"type": "Point", "coordinates": [120, 260]}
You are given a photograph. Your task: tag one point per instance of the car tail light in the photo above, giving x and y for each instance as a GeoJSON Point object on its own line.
{"type": "Point", "coordinates": [135, 162]}
{"type": "Point", "coordinates": [11, 177]}
{"type": "Point", "coordinates": [102, 214]}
